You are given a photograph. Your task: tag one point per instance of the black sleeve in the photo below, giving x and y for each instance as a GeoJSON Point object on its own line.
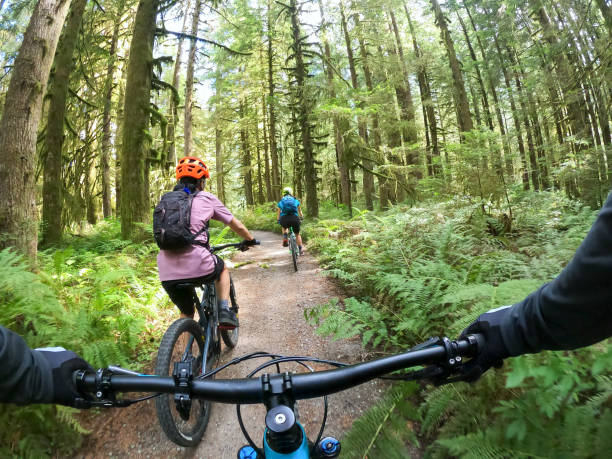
{"type": "Point", "coordinates": [573, 310]}
{"type": "Point", "coordinates": [25, 376]}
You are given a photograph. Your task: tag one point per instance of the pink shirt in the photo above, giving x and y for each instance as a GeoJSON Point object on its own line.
{"type": "Point", "coordinates": [194, 261]}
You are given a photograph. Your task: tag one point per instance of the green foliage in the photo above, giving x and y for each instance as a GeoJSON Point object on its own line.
{"type": "Point", "coordinates": [430, 270]}
{"type": "Point", "coordinates": [386, 428]}
{"type": "Point", "coordinates": [99, 296]}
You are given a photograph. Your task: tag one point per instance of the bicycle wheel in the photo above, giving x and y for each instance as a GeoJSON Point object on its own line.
{"type": "Point", "coordinates": [183, 341]}
{"type": "Point", "coordinates": [230, 337]}
{"type": "Point", "coordinates": [294, 252]}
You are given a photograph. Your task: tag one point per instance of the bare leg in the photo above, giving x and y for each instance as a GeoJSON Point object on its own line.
{"type": "Point", "coordinates": [223, 285]}
{"type": "Point", "coordinates": [299, 240]}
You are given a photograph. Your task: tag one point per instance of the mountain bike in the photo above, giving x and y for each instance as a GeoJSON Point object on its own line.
{"type": "Point", "coordinates": [293, 248]}
{"type": "Point", "coordinates": [284, 437]}
{"type": "Point", "coordinates": [199, 344]}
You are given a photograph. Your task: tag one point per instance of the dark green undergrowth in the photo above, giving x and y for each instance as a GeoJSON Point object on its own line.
{"type": "Point", "coordinates": [95, 294]}
{"type": "Point", "coordinates": [429, 270]}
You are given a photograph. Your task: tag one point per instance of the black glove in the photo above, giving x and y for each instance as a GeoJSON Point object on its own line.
{"type": "Point", "coordinates": [495, 351]}
{"type": "Point", "coordinates": [244, 245]}
{"type": "Point", "coordinates": [63, 364]}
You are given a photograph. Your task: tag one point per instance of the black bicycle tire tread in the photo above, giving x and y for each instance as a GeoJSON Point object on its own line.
{"type": "Point", "coordinates": [161, 406]}
{"type": "Point", "coordinates": [226, 335]}
{"type": "Point", "coordinates": [294, 253]}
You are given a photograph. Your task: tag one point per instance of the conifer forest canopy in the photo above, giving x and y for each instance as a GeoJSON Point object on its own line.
{"type": "Point", "coordinates": [363, 103]}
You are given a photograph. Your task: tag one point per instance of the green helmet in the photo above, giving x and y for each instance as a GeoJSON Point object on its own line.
{"type": "Point", "coordinates": [287, 190]}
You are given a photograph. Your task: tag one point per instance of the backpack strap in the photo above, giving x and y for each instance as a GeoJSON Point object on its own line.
{"type": "Point", "coordinates": [204, 228]}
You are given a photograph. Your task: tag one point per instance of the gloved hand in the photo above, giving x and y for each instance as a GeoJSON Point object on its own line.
{"type": "Point", "coordinates": [63, 364]}
{"type": "Point", "coordinates": [494, 352]}
{"type": "Point", "coordinates": [244, 245]}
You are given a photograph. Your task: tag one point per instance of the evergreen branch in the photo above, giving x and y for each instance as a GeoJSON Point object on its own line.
{"type": "Point", "coordinates": [161, 31]}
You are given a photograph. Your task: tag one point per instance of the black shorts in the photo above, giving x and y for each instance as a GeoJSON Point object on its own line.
{"type": "Point", "coordinates": [184, 298]}
{"type": "Point", "coordinates": [292, 221]}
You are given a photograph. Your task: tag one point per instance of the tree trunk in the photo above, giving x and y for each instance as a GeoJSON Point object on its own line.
{"type": "Point", "coordinates": [174, 100]}
{"type": "Point", "coordinates": [515, 118]}
{"type": "Point", "coordinates": [119, 146]}
{"type": "Point", "coordinates": [276, 178]}
{"type": "Point", "coordinates": [429, 116]}
{"type": "Point", "coordinates": [219, 174]}
{"type": "Point", "coordinates": [267, 178]}
{"type": "Point", "coordinates": [19, 126]}
{"type": "Point", "coordinates": [106, 115]}
{"type": "Point", "coordinates": [340, 126]}
{"type": "Point", "coordinates": [304, 115]}
{"type": "Point", "coordinates": [368, 164]}
{"type": "Point", "coordinates": [260, 193]}
{"type": "Point", "coordinates": [407, 106]}
{"type": "Point", "coordinates": [63, 63]}
{"type": "Point", "coordinates": [606, 12]}
{"type": "Point", "coordinates": [246, 157]}
{"type": "Point", "coordinates": [492, 87]}
{"type": "Point", "coordinates": [361, 126]}
{"type": "Point", "coordinates": [535, 181]}
{"type": "Point", "coordinates": [464, 118]}
{"type": "Point", "coordinates": [188, 123]}
{"type": "Point", "coordinates": [136, 144]}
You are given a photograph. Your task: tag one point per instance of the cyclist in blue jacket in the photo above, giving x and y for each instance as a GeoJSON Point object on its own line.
{"type": "Point", "coordinates": [288, 215]}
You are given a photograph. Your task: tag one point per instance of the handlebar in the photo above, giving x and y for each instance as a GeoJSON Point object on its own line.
{"type": "Point", "coordinates": [446, 353]}
{"type": "Point", "coordinates": [233, 244]}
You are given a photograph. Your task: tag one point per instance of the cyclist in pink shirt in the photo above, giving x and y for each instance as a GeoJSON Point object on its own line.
{"type": "Point", "coordinates": [196, 262]}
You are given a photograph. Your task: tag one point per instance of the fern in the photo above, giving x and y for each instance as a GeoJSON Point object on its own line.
{"type": "Point", "coordinates": [382, 431]}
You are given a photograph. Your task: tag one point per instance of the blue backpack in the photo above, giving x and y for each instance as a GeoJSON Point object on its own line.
{"type": "Point", "coordinates": [288, 205]}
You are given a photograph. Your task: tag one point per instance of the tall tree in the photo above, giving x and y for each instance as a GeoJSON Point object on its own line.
{"type": "Point", "coordinates": [340, 126]}
{"type": "Point", "coordinates": [106, 115]}
{"type": "Point", "coordinates": [188, 121]}
{"type": "Point", "coordinates": [19, 125]}
{"type": "Point", "coordinates": [174, 99]}
{"type": "Point", "coordinates": [135, 206]}
{"type": "Point", "coordinates": [462, 106]}
{"type": "Point", "coordinates": [304, 111]}
{"type": "Point", "coordinates": [52, 228]}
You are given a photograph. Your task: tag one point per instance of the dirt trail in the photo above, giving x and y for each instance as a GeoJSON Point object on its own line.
{"type": "Point", "coordinates": [272, 299]}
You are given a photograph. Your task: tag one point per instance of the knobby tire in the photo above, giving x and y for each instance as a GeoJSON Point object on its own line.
{"type": "Point", "coordinates": [294, 252]}
{"type": "Point", "coordinates": [171, 349]}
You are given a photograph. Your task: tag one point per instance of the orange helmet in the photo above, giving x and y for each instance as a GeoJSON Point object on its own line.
{"type": "Point", "coordinates": [191, 167]}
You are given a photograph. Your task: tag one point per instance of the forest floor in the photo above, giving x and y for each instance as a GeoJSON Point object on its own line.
{"type": "Point", "coordinates": [272, 298]}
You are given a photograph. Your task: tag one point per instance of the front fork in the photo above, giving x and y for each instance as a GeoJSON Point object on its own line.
{"type": "Point", "coordinates": [329, 447]}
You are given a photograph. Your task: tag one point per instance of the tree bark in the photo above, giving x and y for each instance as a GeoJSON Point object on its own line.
{"type": "Point", "coordinates": [19, 125]}
{"type": "Point", "coordinates": [52, 228]}
{"type": "Point", "coordinates": [429, 116]}
{"type": "Point", "coordinates": [276, 178]}
{"type": "Point", "coordinates": [174, 101]}
{"type": "Point", "coordinates": [219, 173]}
{"type": "Point", "coordinates": [368, 177]}
{"type": "Point", "coordinates": [340, 127]}
{"type": "Point", "coordinates": [407, 105]}
{"type": "Point", "coordinates": [464, 118]}
{"type": "Point", "coordinates": [492, 87]}
{"type": "Point", "coordinates": [188, 122]}
{"type": "Point", "coordinates": [247, 175]}
{"type": "Point", "coordinates": [106, 115]}
{"type": "Point", "coordinates": [515, 118]}
{"type": "Point", "coordinates": [136, 138]}
{"type": "Point", "coordinates": [304, 114]}
{"type": "Point", "coordinates": [267, 178]}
